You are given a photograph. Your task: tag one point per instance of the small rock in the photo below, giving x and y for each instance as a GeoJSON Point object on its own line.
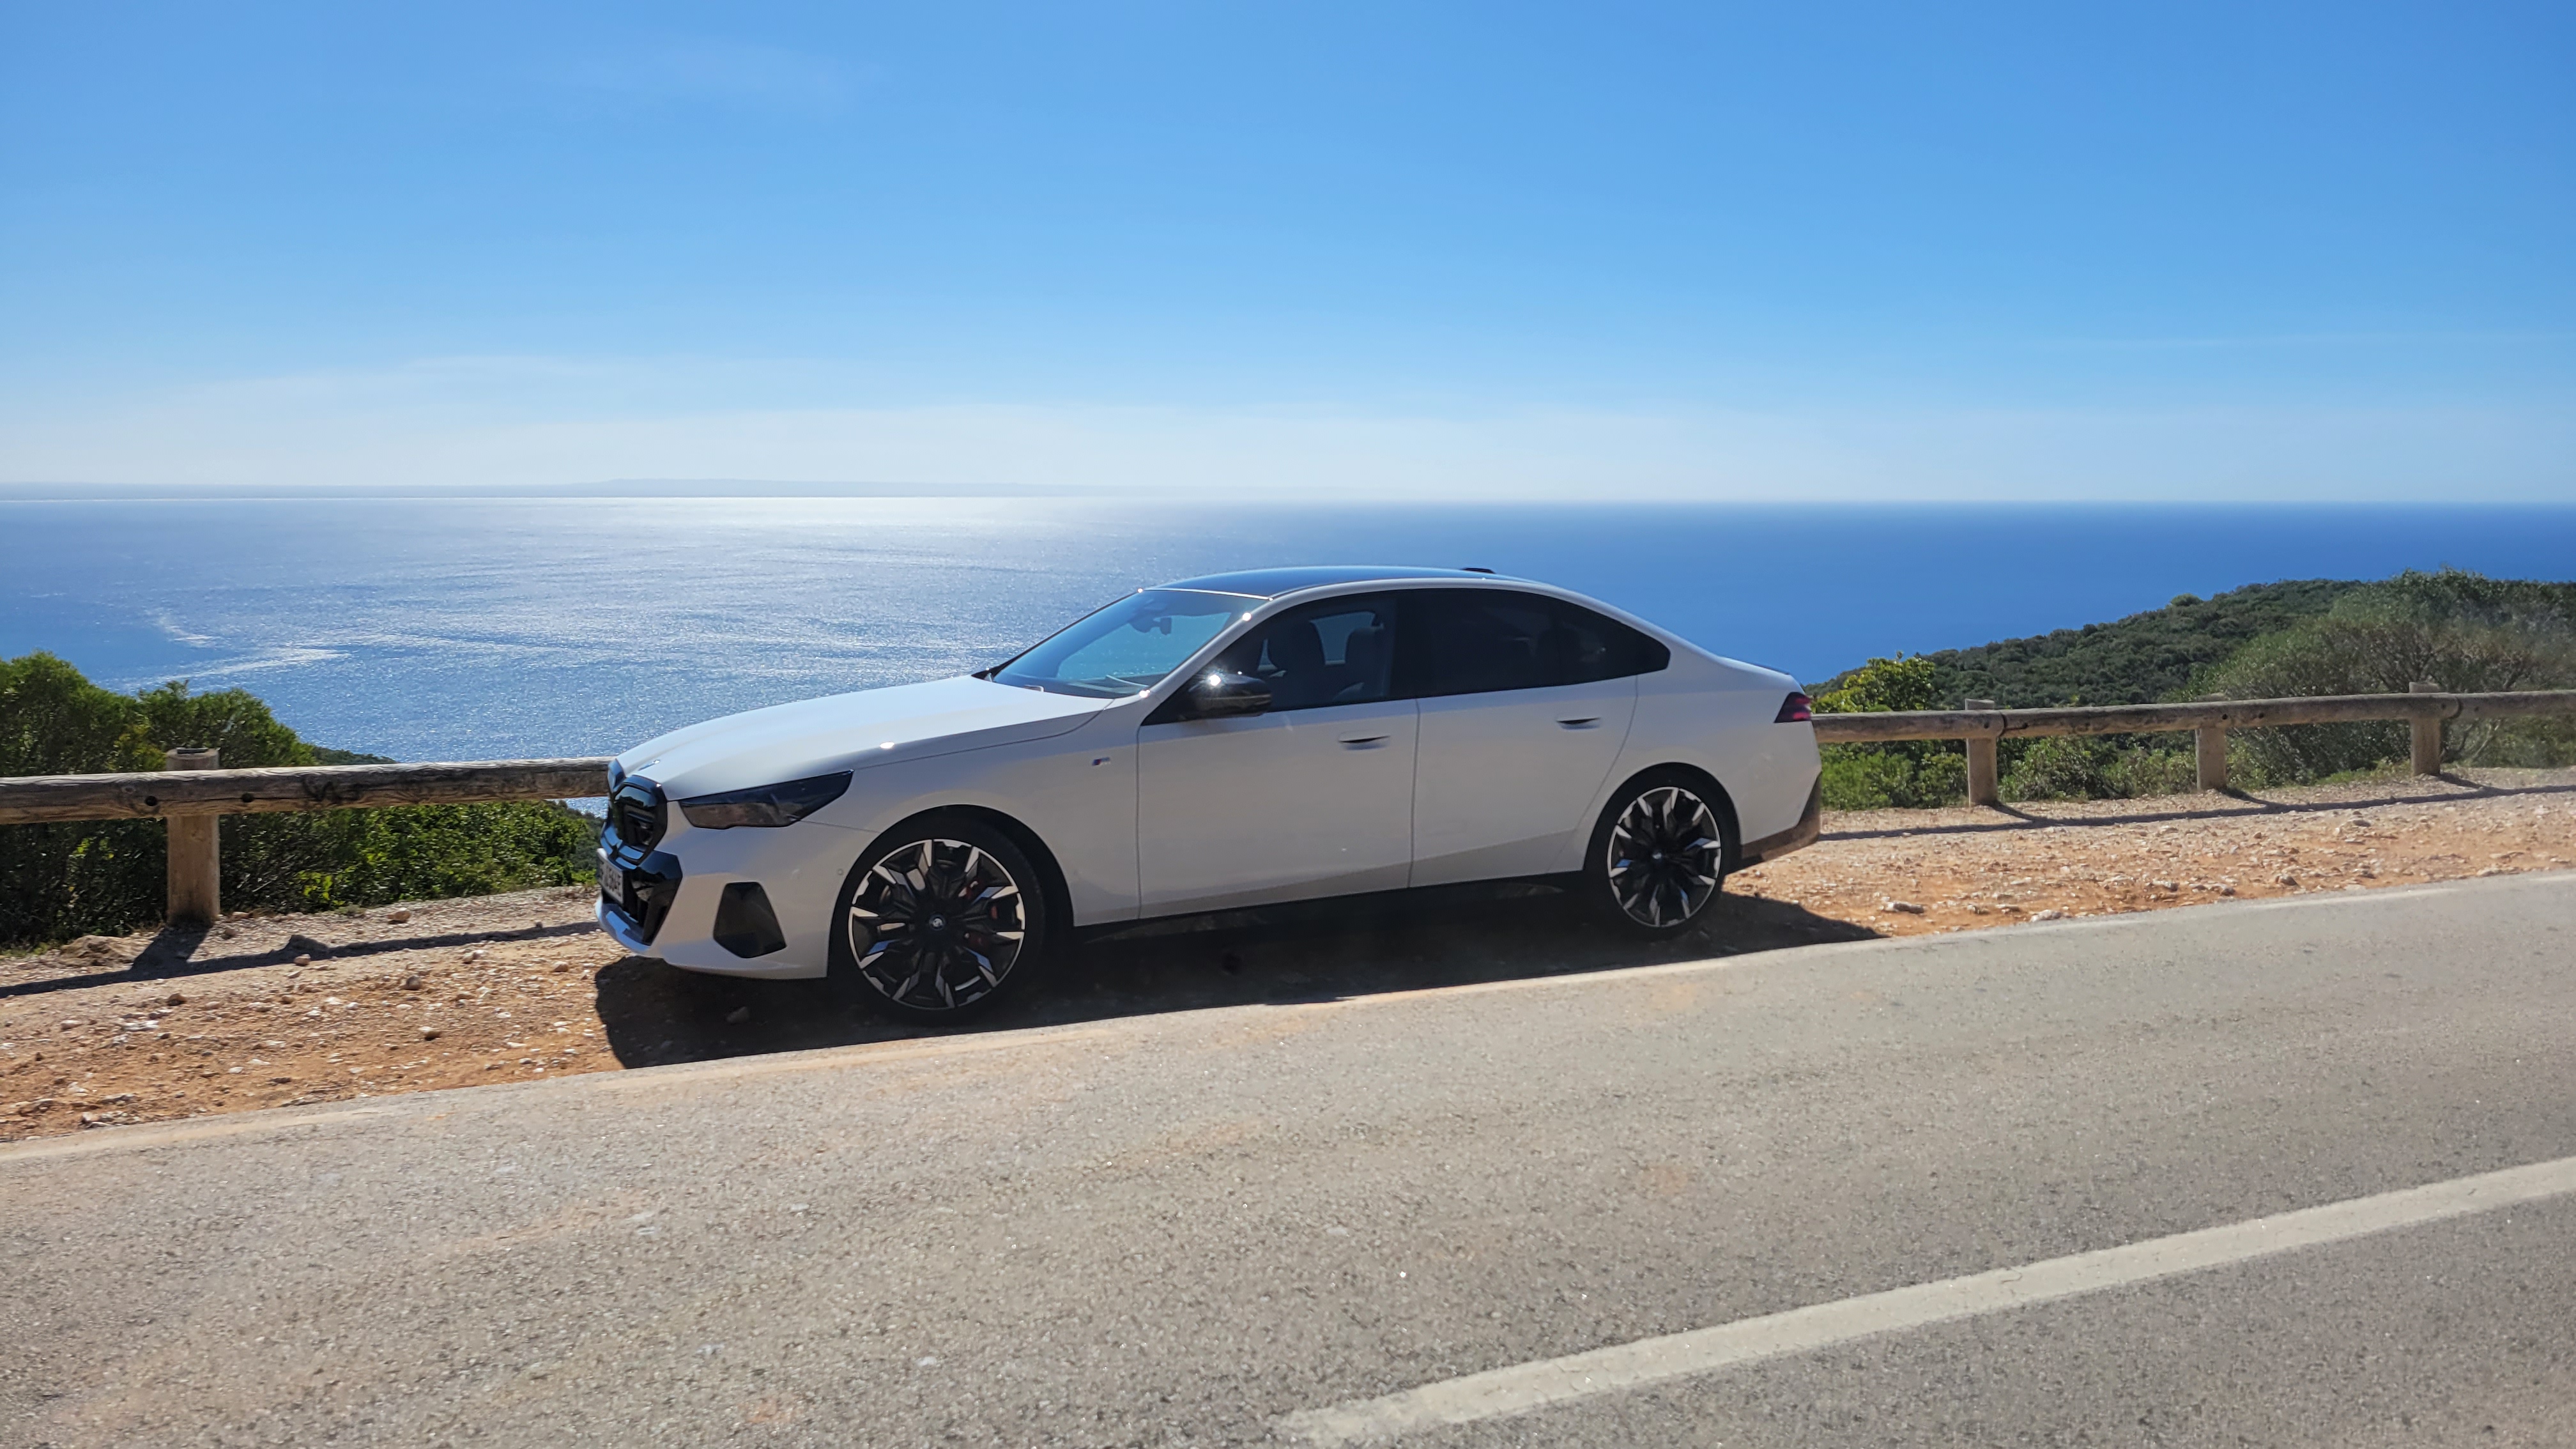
{"type": "Point", "coordinates": [413, 982]}
{"type": "Point", "coordinates": [305, 960]}
{"type": "Point", "coordinates": [429, 1033]}
{"type": "Point", "coordinates": [2049, 915]}
{"type": "Point", "coordinates": [1902, 907]}
{"type": "Point", "coordinates": [738, 1015]}
{"type": "Point", "coordinates": [398, 914]}
{"type": "Point", "coordinates": [175, 999]}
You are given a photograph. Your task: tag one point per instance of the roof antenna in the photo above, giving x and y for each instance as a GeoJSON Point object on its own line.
{"type": "Point", "coordinates": [1473, 569]}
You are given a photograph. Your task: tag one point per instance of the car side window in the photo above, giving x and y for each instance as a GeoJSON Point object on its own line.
{"type": "Point", "coordinates": [1340, 651]}
{"type": "Point", "coordinates": [1592, 647]}
{"type": "Point", "coordinates": [1479, 641]}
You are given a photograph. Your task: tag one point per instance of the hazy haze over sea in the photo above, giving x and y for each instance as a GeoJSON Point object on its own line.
{"type": "Point", "coordinates": [472, 628]}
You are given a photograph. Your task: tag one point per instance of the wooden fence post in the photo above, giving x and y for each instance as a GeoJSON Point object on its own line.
{"type": "Point", "coordinates": [196, 860]}
{"type": "Point", "coordinates": [2209, 750]}
{"type": "Point", "coordinates": [1982, 782]}
{"type": "Point", "coordinates": [2427, 728]}
{"type": "Point", "coordinates": [2210, 742]}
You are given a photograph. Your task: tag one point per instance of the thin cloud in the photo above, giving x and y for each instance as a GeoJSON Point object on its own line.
{"type": "Point", "coordinates": [2299, 340]}
{"type": "Point", "coordinates": [364, 431]}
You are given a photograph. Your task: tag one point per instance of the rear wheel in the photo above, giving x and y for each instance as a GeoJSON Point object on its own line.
{"type": "Point", "coordinates": [939, 921]}
{"type": "Point", "coordinates": [1658, 856]}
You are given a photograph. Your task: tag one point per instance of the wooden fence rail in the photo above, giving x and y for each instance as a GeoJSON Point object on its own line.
{"type": "Point", "coordinates": [194, 790]}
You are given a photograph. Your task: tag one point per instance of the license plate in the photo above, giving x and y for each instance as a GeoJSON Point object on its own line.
{"type": "Point", "coordinates": [612, 882]}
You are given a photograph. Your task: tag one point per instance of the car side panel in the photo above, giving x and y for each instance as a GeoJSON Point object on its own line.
{"type": "Point", "coordinates": [1719, 716]}
{"type": "Point", "coordinates": [1506, 781]}
{"type": "Point", "coordinates": [1076, 792]}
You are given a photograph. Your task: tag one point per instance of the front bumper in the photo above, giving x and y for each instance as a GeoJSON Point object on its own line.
{"type": "Point", "coordinates": [799, 869]}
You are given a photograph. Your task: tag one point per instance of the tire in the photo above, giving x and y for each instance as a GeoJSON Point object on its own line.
{"type": "Point", "coordinates": [941, 920]}
{"type": "Point", "coordinates": [1657, 859]}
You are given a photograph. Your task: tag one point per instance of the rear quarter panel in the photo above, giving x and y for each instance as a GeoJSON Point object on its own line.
{"type": "Point", "coordinates": [1719, 715]}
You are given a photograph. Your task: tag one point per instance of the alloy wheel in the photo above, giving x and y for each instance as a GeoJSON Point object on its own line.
{"type": "Point", "coordinates": [937, 924]}
{"type": "Point", "coordinates": [1665, 856]}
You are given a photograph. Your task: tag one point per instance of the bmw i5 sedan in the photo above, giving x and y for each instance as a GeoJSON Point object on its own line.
{"type": "Point", "coordinates": [1221, 742]}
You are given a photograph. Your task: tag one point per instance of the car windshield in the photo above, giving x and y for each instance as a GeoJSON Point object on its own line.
{"type": "Point", "coordinates": [1128, 647]}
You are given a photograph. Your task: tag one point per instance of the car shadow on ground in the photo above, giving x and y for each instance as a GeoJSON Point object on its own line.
{"type": "Point", "coordinates": [655, 1014]}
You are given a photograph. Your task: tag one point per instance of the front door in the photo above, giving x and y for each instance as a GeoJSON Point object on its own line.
{"type": "Point", "coordinates": [1312, 798]}
{"type": "Point", "coordinates": [1520, 728]}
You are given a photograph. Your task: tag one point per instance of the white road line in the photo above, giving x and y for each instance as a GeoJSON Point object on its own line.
{"type": "Point", "coordinates": [1523, 1387]}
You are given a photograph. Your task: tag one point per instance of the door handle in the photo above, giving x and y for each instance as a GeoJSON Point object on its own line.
{"type": "Point", "coordinates": [1362, 742]}
{"type": "Point", "coordinates": [1585, 723]}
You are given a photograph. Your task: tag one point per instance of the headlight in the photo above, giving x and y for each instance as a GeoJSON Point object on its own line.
{"type": "Point", "coordinates": [766, 805]}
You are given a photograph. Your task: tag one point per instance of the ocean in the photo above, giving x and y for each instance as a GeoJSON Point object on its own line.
{"type": "Point", "coordinates": [482, 628]}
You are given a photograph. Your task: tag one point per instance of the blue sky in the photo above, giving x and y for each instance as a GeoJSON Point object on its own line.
{"type": "Point", "coordinates": [1775, 252]}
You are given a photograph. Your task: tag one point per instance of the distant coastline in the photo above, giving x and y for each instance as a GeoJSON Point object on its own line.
{"type": "Point", "coordinates": [604, 488]}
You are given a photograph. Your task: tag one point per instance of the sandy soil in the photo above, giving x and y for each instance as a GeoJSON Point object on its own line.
{"type": "Point", "coordinates": [278, 1010]}
{"type": "Point", "coordinates": [1905, 872]}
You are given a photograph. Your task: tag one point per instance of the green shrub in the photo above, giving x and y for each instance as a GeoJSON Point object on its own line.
{"type": "Point", "coordinates": [1882, 777]}
{"type": "Point", "coordinates": [2461, 630]}
{"type": "Point", "coordinates": [1901, 774]}
{"type": "Point", "coordinates": [2081, 767]}
{"type": "Point", "coordinates": [107, 877]}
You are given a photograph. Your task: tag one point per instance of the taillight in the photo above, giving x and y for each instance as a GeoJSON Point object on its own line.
{"type": "Point", "coordinates": [1795, 708]}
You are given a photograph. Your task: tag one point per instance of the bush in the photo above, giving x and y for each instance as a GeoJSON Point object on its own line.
{"type": "Point", "coordinates": [2079, 767]}
{"type": "Point", "coordinates": [1880, 777]}
{"type": "Point", "coordinates": [107, 877]}
{"type": "Point", "coordinates": [2461, 630]}
{"type": "Point", "coordinates": [1901, 774]}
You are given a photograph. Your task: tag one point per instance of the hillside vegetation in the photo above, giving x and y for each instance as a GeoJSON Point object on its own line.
{"type": "Point", "coordinates": [2136, 660]}
{"type": "Point", "coordinates": [107, 877]}
{"type": "Point", "coordinates": [2303, 637]}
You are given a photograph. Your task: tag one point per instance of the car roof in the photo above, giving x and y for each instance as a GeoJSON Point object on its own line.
{"type": "Point", "coordinates": [1271, 583]}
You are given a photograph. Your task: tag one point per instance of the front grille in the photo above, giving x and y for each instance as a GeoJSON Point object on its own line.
{"type": "Point", "coordinates": [646, 881]}
{"type": "Point", "coordinates": [637, 815]}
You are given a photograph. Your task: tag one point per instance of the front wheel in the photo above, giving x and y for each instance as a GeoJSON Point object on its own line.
{"type": "Point", "coordinates": [938, 921]}
{"type": "Point", "coordinates": [1658, 857]}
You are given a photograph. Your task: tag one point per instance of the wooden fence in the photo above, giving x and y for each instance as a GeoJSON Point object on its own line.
{"type": "Point", "coordinates": [1982, 725]}
{"type": "Point", "coordinates": [194, 791]}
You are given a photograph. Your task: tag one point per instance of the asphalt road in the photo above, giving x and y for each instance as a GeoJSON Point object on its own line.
{"type": "Point", "coordinates": [1189, 1228]}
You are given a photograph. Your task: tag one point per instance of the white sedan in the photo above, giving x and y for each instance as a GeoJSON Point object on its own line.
{"type": "Point", "coordinates": [1246, 738]}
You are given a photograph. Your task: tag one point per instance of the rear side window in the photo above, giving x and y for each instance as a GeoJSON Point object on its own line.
{"type": "Point", "coordinates": [1480, 641]}
{"type": "Point", "coordinates": [1604, 648]}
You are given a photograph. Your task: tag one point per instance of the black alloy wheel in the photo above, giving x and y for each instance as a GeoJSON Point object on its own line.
{"type": "Point", "coordinates": [937, 922]}
{"type": "Point", "coordinates": [1658, 857]}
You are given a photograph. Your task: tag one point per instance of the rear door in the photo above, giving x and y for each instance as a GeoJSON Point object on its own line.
{"type": "Point", "coordinates": [1526, 703]}
{"type": "Point", "coordinates": [1312, 798]}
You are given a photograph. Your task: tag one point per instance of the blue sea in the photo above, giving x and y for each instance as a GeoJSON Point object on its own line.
{"type": "Point", "coordinates": [480, 627]}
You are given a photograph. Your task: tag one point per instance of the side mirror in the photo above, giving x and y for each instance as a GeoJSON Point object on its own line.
{"type": "Point", "coordinates": [1219, 694]}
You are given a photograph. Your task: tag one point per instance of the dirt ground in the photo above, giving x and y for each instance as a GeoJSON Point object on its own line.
{"type": "Point", "coordinates": [275, 1010]}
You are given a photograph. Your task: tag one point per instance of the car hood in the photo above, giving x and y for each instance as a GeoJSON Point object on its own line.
{"type": "Point", "coordinates": [851, 732]}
